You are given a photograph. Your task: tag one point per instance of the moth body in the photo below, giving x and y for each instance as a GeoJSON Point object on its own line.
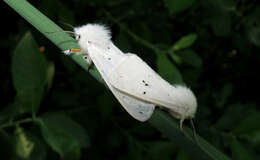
{"type": "Point", "coordinates": [136, 85]}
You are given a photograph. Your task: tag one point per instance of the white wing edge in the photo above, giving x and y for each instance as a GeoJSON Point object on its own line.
{"type": "Point", "coordinates": [138, 109]}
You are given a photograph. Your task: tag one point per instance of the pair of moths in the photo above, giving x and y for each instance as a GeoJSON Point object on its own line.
{"type": "Point", "coordinates": [135, 85]}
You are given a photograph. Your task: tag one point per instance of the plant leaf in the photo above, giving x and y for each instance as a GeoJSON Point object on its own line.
{"type": "Point", "coordinates": [29, 69]}
{"type": "Point", "coordinates": [168, 70]}
{"type": "Point", "coordinates": [185, 42]}
{"type": "Point", "coordinates": [24, 146]}
{"type": "Point", "coordinates": [239, 152]}
{"type": "Point", "coordinates": [64, 135]}
{"type": "Point", "coordinates": [176, 6]}
{"type": "Point", "coordinates": [188, 56]}
{"type": "Point", "coordinates": [249, 124]}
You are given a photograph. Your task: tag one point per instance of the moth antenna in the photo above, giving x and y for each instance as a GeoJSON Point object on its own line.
{"type": "Point", "coordinates": [194, 131]}
{"type": "Point", "coordinates": [67, 24]}
{"type": "Point", "coordinates": [69, 32]}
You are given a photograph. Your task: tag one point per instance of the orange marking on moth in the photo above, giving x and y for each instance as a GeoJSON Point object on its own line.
{"type": "Point", "coordinates": [76, 50]}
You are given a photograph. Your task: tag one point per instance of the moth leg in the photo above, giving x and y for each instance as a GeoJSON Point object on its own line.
{"type": "Point", "coordinates": [88, 61]}
{"type": "Point", "coordinates": [73, 51]}
{"type": "Point", "coordinates": [79, 52]}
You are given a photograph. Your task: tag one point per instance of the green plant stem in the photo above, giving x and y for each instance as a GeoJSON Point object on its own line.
{"type": "Point", "coordinates": [15, 123]}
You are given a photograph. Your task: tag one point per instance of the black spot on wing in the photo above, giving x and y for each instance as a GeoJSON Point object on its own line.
{"type": "Point", "coordinates": [146, 84]}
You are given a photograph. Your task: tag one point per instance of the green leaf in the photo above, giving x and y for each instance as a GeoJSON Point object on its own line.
{"type": "Point", "coordinates": [252, 137]}
{"type": "Point", "coordinates": [7, 113]}
{"type": "Point", "coordinates": [239, 152]}
{"type": "Point", "coordinates": [28, 101]}
{"type": "Point", "coordinates": [106, 104]}
{"type": "Point", "coordinates": [182, 156]}
{"type": "Point", "coordinates": [39, 151]}
{"type": "Point", "coordinates": [46, 26]}
{"type": "Point", "coordinates": [176, 6]}
{"type": "Point", "coordinates": [225, 92]}
{"type": "Point", "coordinates": [29, 69]}
{"type": "Point", "coordinates": [249, 124]}
{"type": "Point", "coordinates": [122, 41]}
{"type": "Point", "coordinates": [28, 65]}
{"type": "Point", "coordinates": [253, 27]}
{"type": "Point", "coordinates": [133, 149]}
{"type": "Point", "coordinates": [28, 146]}
{"type": "Point", "coordinates": [221, 24]}
{"type": "Point", "coordinates": [220, 17]}
{"type": "Point", "coordinates": [64, 135]}
{"type": "Point", "coordinates": [24, 146]}
{"type": "Point", "coordinates": [231, 117]}
{"type": "Point", "coordinates": [50, 74]}
{"type": "Point", "coordinates": [188, 56]}
{"type": "Point", "coordinates": [168, 70]}
{"type": "Point", "coordinates": [184, 42]}
{"type": "Point", "coordinates": [161, 150]}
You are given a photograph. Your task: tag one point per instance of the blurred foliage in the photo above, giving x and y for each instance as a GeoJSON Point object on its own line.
{"type": "Point", "coordinates": [211, 46]}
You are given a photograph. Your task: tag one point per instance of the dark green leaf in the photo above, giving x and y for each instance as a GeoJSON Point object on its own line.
{"type": "Point", "coordinates": [168, 70]}
{"type": "Point", "coordinates": [182, 156]}
{"type": "Point", "coordinates": [23, 146]}
{"type": "Point", "coordinates": [106, 104]}
{"type": "Point", "coordinates": [28, 101]}
{"type": "Point", "coordinates": [134, 149]}
{"type": "Point", "coordinates": [220, 17]}
{"type": "Point", "coordinates": [123, 42]}
{"type": "Point", "coordinates": [50, 74]}
{"type": "Point", "coordinates": [221, 24]}
{"type": "Point", "coordinates": [29, 68]}
{"type": "Point", "coordinates": [176, 6]}
{"type": "Point", "coordinates": [63, 134]}
{"type": "Point", "coordinates": [188, 56]}
{"type": "Point", "coordinates": [248, 124]}
{"type": "Point", "coordinates": [161, 150]}
{"type": "Point", "coordinates": [253, 27]}
{"type": "Point", "coordinates": [231, 117]}
{"type": "Point", "coordinates": [225, 92]}
{"type": "Point", "coordinates": [28, 65]}
{"type": "Point", "coordinates": [184, 42]}
{"type": "Point", "coordinates": [239, 152]}
{"type": "Point", "coordinates": [28, 146]}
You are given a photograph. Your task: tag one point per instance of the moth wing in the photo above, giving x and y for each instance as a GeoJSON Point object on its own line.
{"type": "Point", "coordinates": [134, 77]}
{"type": "Point", "coordinates": [106, 60]}
{"type": "Point", "coordinates": [138, 109]}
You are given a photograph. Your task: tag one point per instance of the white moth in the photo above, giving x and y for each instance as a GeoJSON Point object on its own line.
{"type": "Point", "coordinates": [136, 86]}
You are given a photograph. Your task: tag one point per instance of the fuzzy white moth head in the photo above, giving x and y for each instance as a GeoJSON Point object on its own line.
{"type": "Point", "coordinates": [186, 100]}
{"type": "Point", "coordinates": [92, 33]}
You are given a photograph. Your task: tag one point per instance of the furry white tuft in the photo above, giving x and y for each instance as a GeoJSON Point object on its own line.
{"type": "Point", "coordinates": [93, 33]}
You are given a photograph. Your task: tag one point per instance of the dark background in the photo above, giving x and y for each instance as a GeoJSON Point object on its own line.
{"type": "Point", "coordinates": [221, 67]}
